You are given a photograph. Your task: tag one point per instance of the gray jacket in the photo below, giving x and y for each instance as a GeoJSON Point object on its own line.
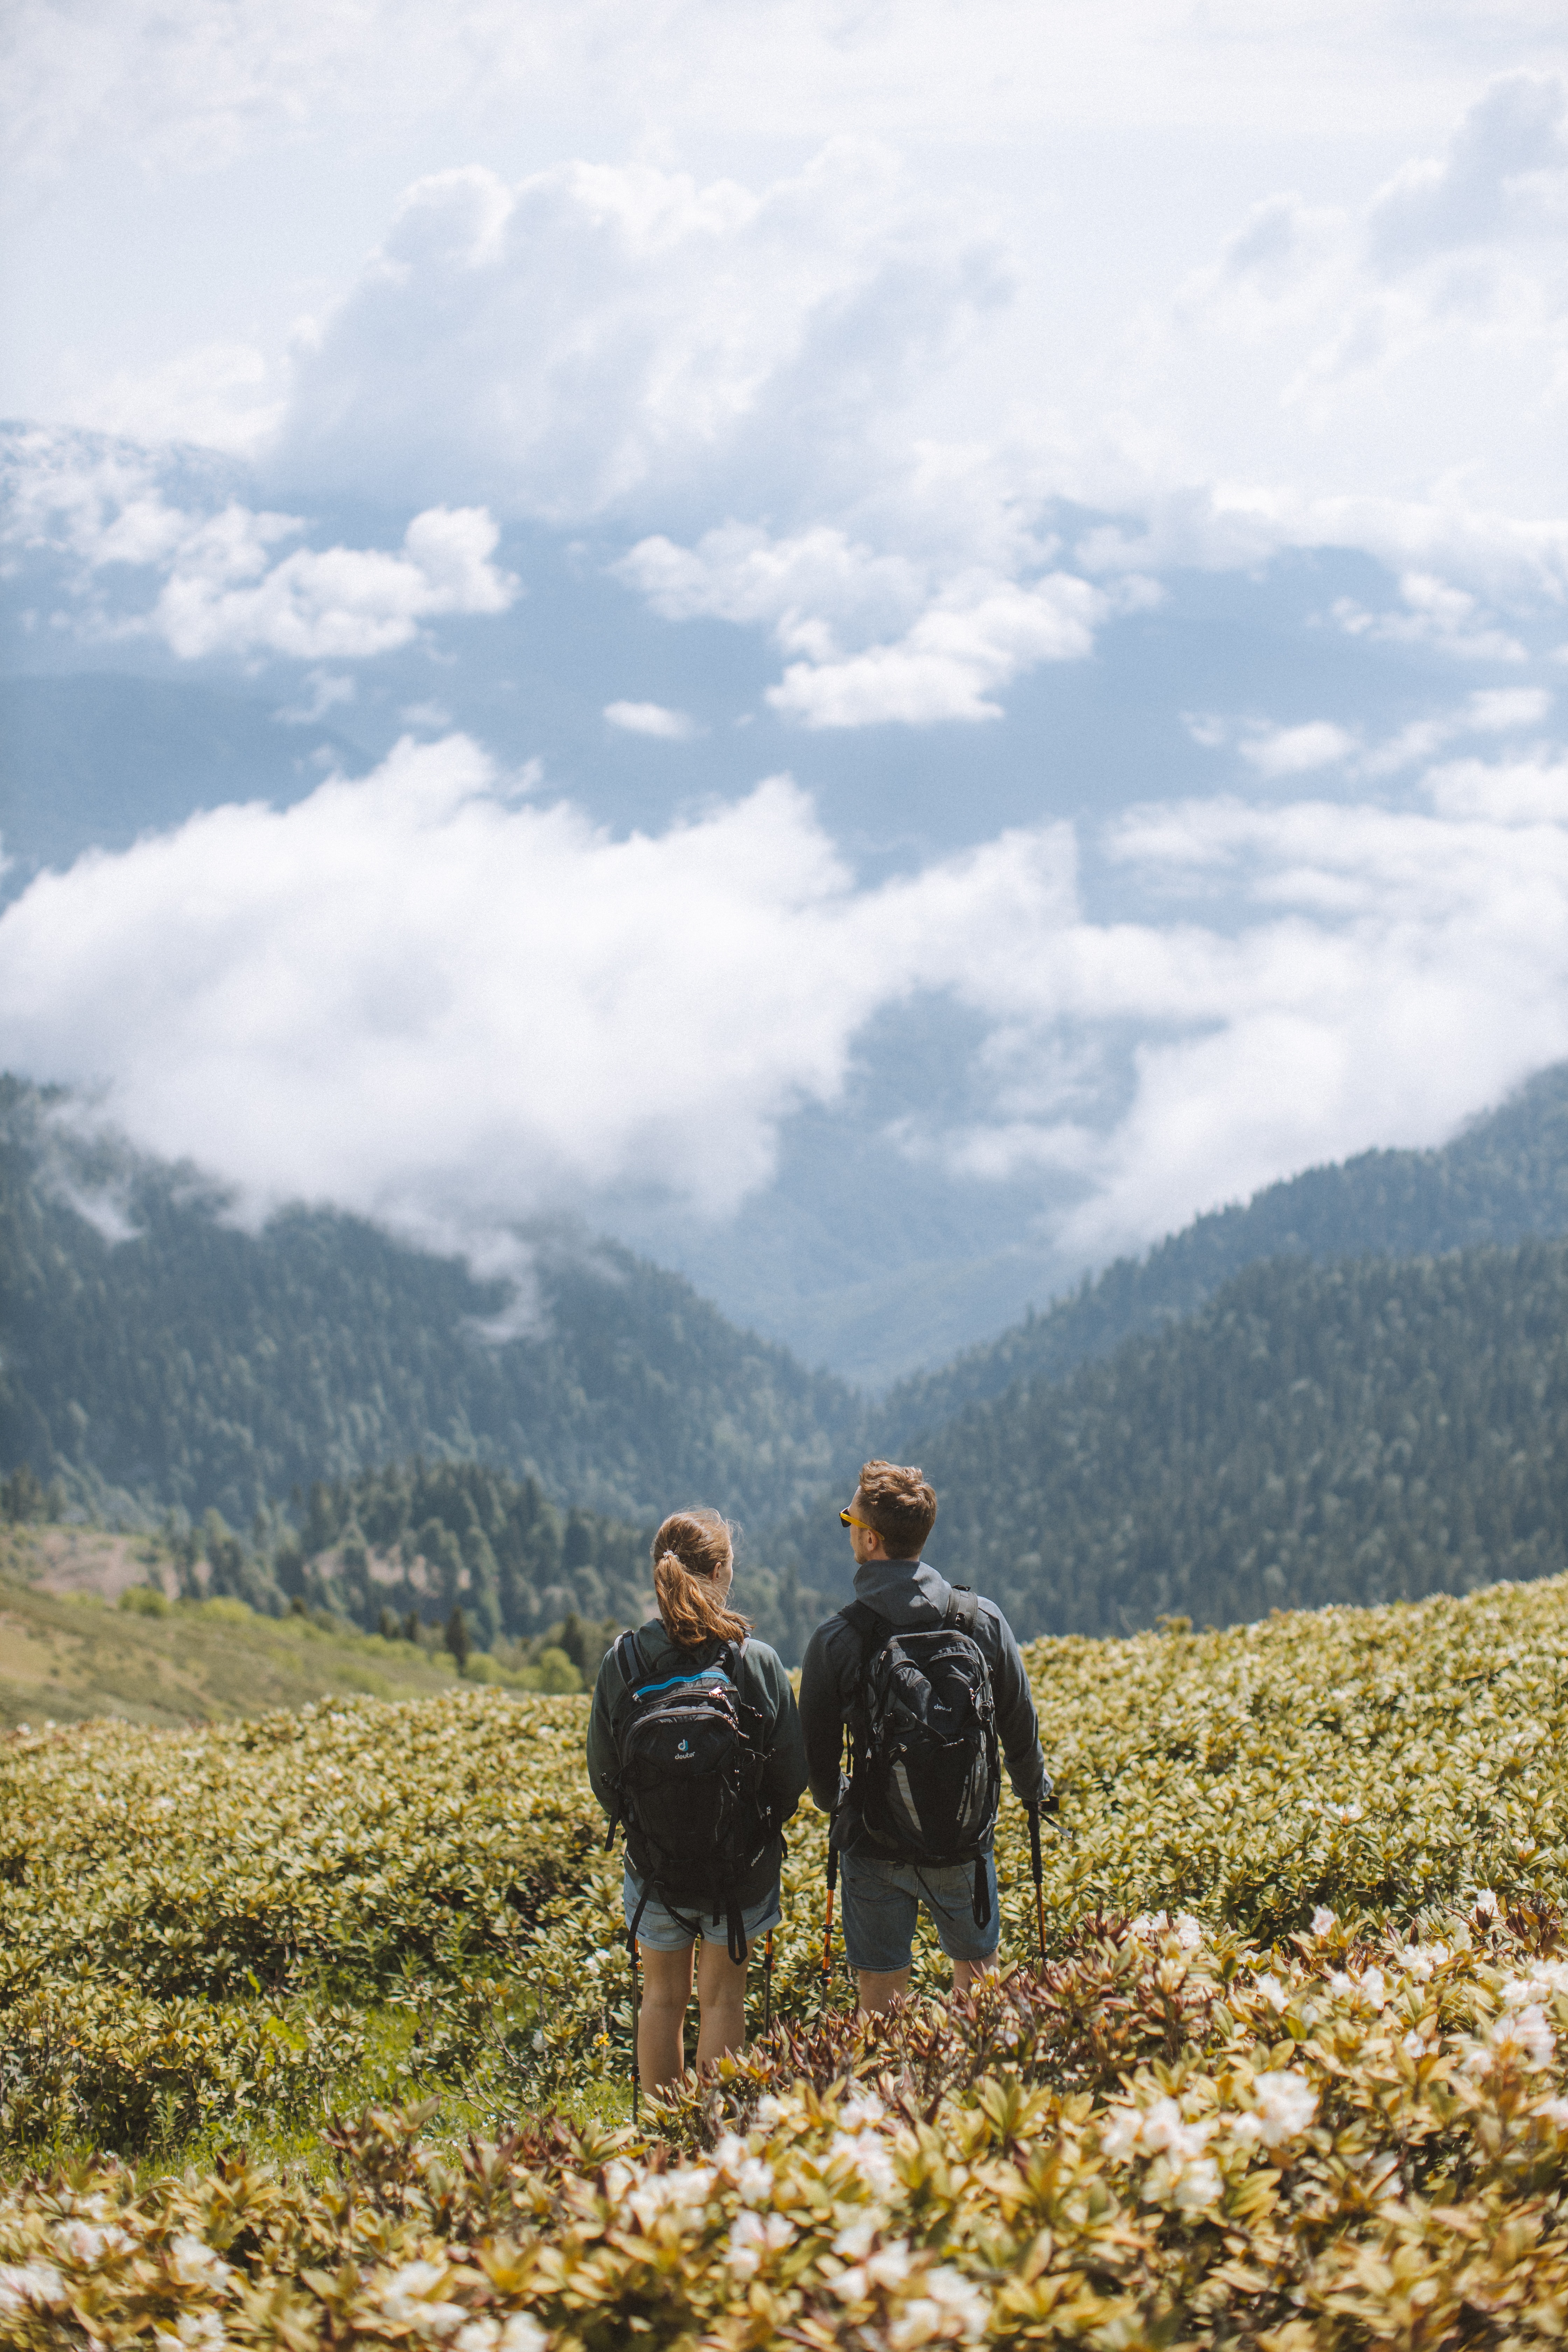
{"type": "Point", "coordinates": [909, 1592]}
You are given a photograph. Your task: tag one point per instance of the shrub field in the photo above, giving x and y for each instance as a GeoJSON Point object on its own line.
{"type": "Point", "coordinates": [313, 2031]}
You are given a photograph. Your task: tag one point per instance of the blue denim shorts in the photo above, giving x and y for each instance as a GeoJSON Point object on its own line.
{"type": "Point", "coordinates": [882, 1900]}
{"type": "Point", "coordinates": [664, 1930]}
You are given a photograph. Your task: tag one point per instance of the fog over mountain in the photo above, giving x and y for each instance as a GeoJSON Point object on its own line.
{"type": "Point", "coordinates": [881, 658]}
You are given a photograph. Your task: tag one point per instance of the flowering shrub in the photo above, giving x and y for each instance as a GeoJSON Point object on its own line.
{"type": "Point", "coordinates": [1358, 2143]}
{"type": "Point", "coordinates": [1292, 2071]}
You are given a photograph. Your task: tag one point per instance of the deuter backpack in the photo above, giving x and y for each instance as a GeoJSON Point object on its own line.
{"type": "Point", "coordinates": [924, 1773]}
{"type": "Point", "coordinates": [690, 1756]}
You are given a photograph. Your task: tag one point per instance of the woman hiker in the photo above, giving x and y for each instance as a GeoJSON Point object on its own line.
{"type": "Point", "coordinates": [694, 1742]}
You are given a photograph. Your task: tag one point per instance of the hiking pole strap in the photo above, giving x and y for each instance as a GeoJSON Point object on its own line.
{"type": "Point", "coordinates": [768, 1983]}
{"type": "Point", "coordinates": [982, 1906]}
{"type": "Point", "coordinates": [735, 1927]}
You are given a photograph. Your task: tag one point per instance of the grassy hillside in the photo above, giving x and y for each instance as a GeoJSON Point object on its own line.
{"type": "Point", "coordinates": [1357, 1433]}
{"type": "Point", "coordinates": [1309, 2096]}
{"type": "Point", "coordinates": [1505, 1178]}
{"type": "Point", "coordinates": [65, 1657]}
{"type": "Point", "coordinates": [155, 1350]}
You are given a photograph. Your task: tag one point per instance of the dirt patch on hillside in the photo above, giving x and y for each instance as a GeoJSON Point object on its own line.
{"type": "Point", "coordinates": [86, 1559]}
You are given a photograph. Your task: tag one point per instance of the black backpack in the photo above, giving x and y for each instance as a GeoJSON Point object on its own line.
{"type": "Point", "coordinates": [924, 1773]}
{"type": "Point", "coordinates": [690, 1756]}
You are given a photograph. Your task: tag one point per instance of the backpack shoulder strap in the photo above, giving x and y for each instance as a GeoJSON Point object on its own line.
{"type": "Point", "coordinates": [630, 1664]}
{"type": "Point", "coordinates": [870, 1629]}
{"type": "Point", "coordinates": [962, 1610]}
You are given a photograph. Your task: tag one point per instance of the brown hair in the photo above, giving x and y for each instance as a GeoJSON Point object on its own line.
{"type": "Point", "coordinates": [900, 1505]}
{"type": "Point", "coordinates": [690, 1550]}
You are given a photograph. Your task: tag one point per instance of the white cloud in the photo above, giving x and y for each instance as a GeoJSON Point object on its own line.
{"type": "Point", "coordinates": [418, 996]}
{"type": "Point", "coordinates": [651, 719]}
{"type": "Point", "coordinates": [827, 599]}
{"type": "Point", "coordinates": [339, 605]}
{"type": "Point", "coordinates": [1435, 614]}
{"type": "Point", "coordinates": [225, 590]}
{"type": "Point", "coordinates": [326, 692]}
{"type": "Point", "coordinates": [1520, 792]}
{"type": "Point", "coordinates": [1294, 750]}
{"type": "Point", "coordinates": [974, 639]}
{"type": "Point", "coordinates": [608, 338]}
{"type": "Point", "coordinates": [1282, 752]}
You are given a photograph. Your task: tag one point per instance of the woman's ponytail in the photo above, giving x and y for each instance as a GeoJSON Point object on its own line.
{"type": "Point", "coordinates": [690, 1550]}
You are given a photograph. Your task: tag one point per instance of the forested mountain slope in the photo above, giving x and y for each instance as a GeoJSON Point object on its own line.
{"type": "Point", "coordinates": [187, 1362]}
{"type": "Point", "coordinates": [1376, 1431]}
{"type": "Point", "coordinates": [1504, 1178]}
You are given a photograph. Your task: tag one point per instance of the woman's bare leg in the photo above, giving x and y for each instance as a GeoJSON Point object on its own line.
{"type": "Point", "coordinates": [665, 1991]}
{"type": "Point", "coordinates": [721, 1990]}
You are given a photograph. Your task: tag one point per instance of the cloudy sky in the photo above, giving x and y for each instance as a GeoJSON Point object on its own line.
{"type": "Point", "coordinates": [885, 649]}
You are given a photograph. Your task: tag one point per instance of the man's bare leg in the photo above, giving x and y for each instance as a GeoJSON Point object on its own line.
{"type": "Point", "coordinates": [878, 1988]}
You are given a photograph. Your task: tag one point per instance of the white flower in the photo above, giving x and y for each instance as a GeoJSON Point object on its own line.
{"type": "Point", "coordinates": [87, 2243]}
{"type": "Point", "coordinates": [194, 2331]}
{"type": "Point", "coordinates": [1273, 1992]}
{"type": "Point", "coordinates": [752, 2238]}
{"type": "Point", "coordinates": [408, 2299]}
{"type": "Point", "coordinates": [1545, 1982]}
{"type": "Point", "coordinates": [948, 2307]}
{"type": "Point", "coordinates": [1555, 2113]}
{"type": "Point", "coordinates": [857, 2111]}
{"type": "Point", "coordinates": [1148, 1925]}
{"type": "Point", "coordinates": [194, 2264]}
{"type": "Point", "coordinates": [1119, 2135]}
{"type": "Point", "coordinates": [960, 2296]}
{"type": "Point", "coordinates": [1530, 2035]}
{"type": "Point", "coordinates": [1416, 2044]}
{"type": "Point", "coordinates": [539, 2038]}
{"type": "Point", "coordinates": [1284, 2103]}
{"type": "Point", "coordinates": [769, 2110]}
{"type": "Point", "coordinates": [680, 2195]}
{"type": "Point", "coordinates": [891, 2265]}
{"type": "Point", "coordinates": [1163, 2130]}
{"type": "Point", "coordinates": [1322, 1920]}
{"type": "Point", "coordinates": [1199, 2186]}
{"type": "Point", "coordinates": [1420, 1960]}
{"type": "Point", "coordinates": [1188, 1931]}
{"type": "Point", "coordinates": [869, 2157]}
{"type": "Point", "coordinates": [522, 2334]}
{"type": "Point", "coordinates": [29, 2286]}
{"type": "Point", "coordinates": [1487, 1903]}
{"type": "Point", "coordinates": [480, 2335]}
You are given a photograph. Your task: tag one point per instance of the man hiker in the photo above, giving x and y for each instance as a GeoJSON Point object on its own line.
{"type": "Point", "coordinates": [927, 1679]}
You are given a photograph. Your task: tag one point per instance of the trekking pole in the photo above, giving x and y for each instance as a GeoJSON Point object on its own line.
{"type": "Point", "coordinates": [632, 1945]}
{"type": "Point", "coordinates": [1039, 1877]}
{"type": "Point", "coordinates": [827, 1929]}
{"type": "Point", "coordinates": [768, 1983]}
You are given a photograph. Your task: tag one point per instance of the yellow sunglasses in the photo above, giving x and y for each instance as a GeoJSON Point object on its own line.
{"type": "Point", "coordinates": [849, 1519]}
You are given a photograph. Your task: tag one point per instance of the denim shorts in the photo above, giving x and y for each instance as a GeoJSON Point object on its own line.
{"type": "Point", "coordinates": [882, 1900]}
{"type": "Point", "coordinates": [663, 1930]}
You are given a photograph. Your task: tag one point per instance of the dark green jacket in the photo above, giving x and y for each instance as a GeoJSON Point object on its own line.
{"type": "Point", "coordinates": [763, 1686]}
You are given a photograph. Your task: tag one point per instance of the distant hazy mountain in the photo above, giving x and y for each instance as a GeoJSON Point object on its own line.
{"type": "Point", "coordinates": [1504, 1178]}
{"type": "Point", "coordinates": [1366, 1432]}
{"type": "Point", "coordinates": [151, 1348]}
